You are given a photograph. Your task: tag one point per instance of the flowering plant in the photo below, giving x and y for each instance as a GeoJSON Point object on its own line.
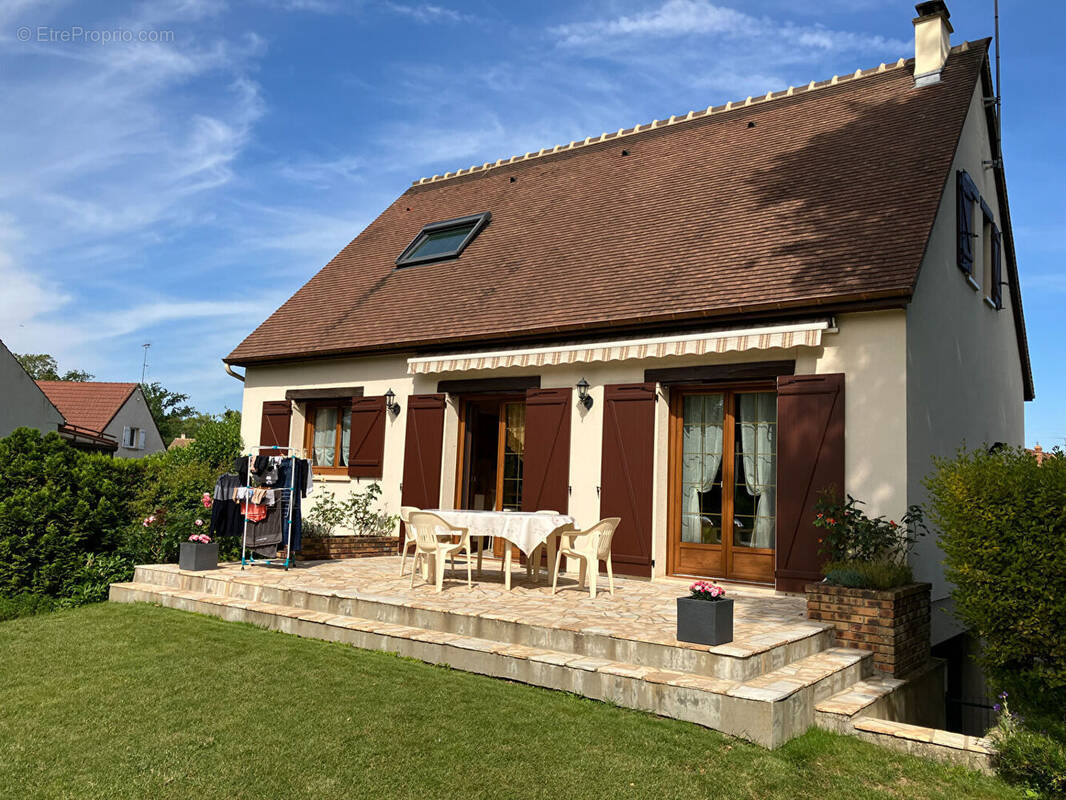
{"type": "Point", "coordinates": [206, 500]}
{"type": "Point", "coordinates": [202, 538]}
{"type": "Point", "coordinates": [850, 535]}
{"type": "Point", "coordinates": [704, 590]}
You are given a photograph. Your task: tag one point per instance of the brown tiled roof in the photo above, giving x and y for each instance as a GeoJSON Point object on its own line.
{"type": "Point", "coordinates": [87, 404]}
{"type": "Point", "coordinates": [810, 198]}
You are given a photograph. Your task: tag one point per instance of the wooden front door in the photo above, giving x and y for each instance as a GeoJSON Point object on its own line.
{"type": "Point", "coordinates": [723, 483]}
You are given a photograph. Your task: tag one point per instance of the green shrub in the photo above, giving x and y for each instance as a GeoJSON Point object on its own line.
{"type": "Point", "coordinates": [25, 604]}
{"type": "Point", "coordinates": [218, 442]}
{"type": "Point", "coordinates": [1003, 532]}
{"type": "Point", "coordinates": [850, 535]}
{"type": "Point", "coordinates": [57, 506]}
{"type": "Point", "coordinates": [166, 508]}
{"type": "Point", "coordinates": [359, 513]}
{"type": "Point", "coordinates": [1026, 757]}
{"type": "Point", "coordinates": [868, 574]}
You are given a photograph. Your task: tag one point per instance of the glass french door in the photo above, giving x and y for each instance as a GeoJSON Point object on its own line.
{"type": "Point", "coordinates": [724, 484]}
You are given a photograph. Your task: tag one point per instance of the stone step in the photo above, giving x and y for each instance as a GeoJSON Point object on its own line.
{"type": "Point", "coordinates": [865, 698]}
{"type": "Point", "coordinates": [769, 709]}
{"type": "Point", "coordinates": [735, 661]}
{"type": "Point", "coordinates": [951, 748]}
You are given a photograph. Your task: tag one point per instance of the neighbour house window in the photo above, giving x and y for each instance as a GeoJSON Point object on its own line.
{"type": "Point", "coordinates": [328, 435]}
{"type": "Point", "coordinates": [133, 438]}
{"type": "Point", "coordinates": [441, 240]}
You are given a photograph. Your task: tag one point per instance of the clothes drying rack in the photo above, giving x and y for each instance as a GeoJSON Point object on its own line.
{"type": "Point", "coordinates": [247, 557]}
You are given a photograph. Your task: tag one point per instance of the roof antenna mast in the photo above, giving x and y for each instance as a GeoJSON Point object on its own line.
{"type": "Point", "coordinates": [995, 8]}
{"type": "Point", "coordinates": [144, 364]}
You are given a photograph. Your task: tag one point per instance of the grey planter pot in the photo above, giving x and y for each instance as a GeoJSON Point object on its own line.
{"type": "Point", "coordinates": [198, 556]}
{"type": "Point", "coordinates": [704, 621]}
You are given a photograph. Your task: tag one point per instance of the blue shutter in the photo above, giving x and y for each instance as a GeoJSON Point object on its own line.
{"type": "Point", "coordinates": [965, 195]}
{"type": "Point", "coordinates": [997, 268]}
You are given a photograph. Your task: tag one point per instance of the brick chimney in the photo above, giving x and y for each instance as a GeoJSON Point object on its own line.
{"type": "Point", "coordinates": [932, 41]}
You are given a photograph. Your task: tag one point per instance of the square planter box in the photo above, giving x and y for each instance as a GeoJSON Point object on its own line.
{"type": "Point", "coordinates": [197, 556]}
{"type": "Point", "coordinates": [704, 621]}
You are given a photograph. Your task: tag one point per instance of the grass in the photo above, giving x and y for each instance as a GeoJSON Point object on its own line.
{"type": "Point", "coordinates": [121, 701]}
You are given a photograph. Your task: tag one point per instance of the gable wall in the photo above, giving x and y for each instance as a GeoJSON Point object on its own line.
{"type": "Point", "coordinates": [135, 414]}
{"type": "Point", "coordinates": [964, 377]}
{"type": "Point", "coordinates": [23, 404]}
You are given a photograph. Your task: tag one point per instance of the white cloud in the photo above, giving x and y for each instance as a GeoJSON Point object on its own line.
{"type": "Point", "coordinates": [427, 13]}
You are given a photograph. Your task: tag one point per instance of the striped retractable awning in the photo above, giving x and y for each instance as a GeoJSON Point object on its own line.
{"type": "Point", "coordinates": [805, 334]}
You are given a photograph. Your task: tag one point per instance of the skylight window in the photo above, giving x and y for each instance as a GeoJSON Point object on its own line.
{"type": "Point", "coordinates": [440, 240]}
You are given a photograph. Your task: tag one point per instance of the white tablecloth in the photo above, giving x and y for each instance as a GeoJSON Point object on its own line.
{"type": "Point", "coordinates": [524, 529]}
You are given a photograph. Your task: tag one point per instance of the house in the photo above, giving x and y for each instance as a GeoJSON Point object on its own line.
{"type": "Point", "coordinates": [696, 324]}
{"type": "Point", "coordinates": [113, 411]}
{"type": "Point", "coordinates": [23, 403]}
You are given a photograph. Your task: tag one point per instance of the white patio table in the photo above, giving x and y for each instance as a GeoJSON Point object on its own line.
{"type": "Point", "coordinates": [525, 529]}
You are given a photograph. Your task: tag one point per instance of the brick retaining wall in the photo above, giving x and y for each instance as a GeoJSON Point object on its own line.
{"type": "Point", "coordinates": [322, 549]}
{"type": "Point", "coordinates": [893, 623]}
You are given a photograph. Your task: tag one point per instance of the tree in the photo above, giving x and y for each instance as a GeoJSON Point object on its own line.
{"type": "Point", "coordinates": [43, 367]}
{"type": "Point", "coordinates": [169, 409]}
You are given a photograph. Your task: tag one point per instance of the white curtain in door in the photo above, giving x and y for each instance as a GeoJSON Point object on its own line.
{"type": "Point", "coordinates": [325, 442]}
{"type": "Point", "coordinates": [758, 429]}
{"type": "Point", "coordinates": [701, 457]}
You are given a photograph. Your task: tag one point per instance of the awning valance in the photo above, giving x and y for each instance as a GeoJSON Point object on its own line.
{"type": "Point", "coordinates": [804, 334]}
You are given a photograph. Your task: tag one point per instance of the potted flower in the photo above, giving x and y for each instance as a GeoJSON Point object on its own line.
{"type": "Point", "coordinates": [705, 616]}
{"type": "Point", "coordinates": [199, 552]}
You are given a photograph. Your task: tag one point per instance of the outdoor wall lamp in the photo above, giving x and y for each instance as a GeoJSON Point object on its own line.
{"type": "Point", "coordinates": [390, 402]}
{"type": "Point", "coordinates": [583, 396]}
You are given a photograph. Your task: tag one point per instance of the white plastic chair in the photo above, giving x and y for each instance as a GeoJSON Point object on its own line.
{"type": "Point", "coordinates": [533, 561]}
{"type": "Point", "coordinates": [590, 547]}
{"type": "Point", "coordinates": [428, 528]}
{"type": "Point", "coordinates": [408, 534]}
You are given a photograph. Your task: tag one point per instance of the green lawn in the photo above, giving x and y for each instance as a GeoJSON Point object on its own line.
{"type": "Point", "coordinates": [143, 702]}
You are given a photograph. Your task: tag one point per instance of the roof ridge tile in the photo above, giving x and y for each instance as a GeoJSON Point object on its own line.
{"type": "Point", "coordinates": [692, 115]}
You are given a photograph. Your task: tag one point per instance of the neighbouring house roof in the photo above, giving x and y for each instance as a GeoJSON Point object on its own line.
{"type": "Point", "coordinates": [88, 404]}
{"type": "Point", "coordinates": [806, 199]}
{"type": "Point", "coordinates": [180, 441]}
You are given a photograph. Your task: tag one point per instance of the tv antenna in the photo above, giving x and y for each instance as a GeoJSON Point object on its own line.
{"type": "Point", "coordinates": [144, 364]}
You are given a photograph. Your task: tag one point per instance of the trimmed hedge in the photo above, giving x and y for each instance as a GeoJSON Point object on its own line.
{"type": "Point", "coordinates": [1002, 519]}
{"type": "Point", "coordinates": [58, 506]}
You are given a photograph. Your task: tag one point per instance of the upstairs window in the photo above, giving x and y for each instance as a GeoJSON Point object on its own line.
{"type": "Point", "coordinates": [440, 240]}
{"type": "Point", "coordinates": [991, 258]}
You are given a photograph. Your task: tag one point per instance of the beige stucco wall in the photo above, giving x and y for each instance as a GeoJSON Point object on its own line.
{"type": "Point", "coordinates": [964, 378]}
{"type": "Point", "coordinates": [868, 348]}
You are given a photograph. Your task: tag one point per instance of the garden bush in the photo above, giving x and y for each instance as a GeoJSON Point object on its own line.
{"type": "Point", "coordinates": [1002, 518]}
{"type": "Point", "coordinates": [865, 552]}
{"type": "Point", "coordinates": [25, 604]}
{"type": "Point", "coordinates": [1035, 759]}
{"type": "Point", "coordinates": [58, 505]}
{"type": "Point", "coordinates": [360, 513]}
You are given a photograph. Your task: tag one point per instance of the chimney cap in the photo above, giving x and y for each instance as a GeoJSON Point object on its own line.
{"type": "Point", "coordinates": [932, 8]}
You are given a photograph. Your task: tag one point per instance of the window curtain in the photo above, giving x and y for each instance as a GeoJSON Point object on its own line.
{"type": "Point", "coordinates": [701, 457]}
{"type": "Point", "coordinates": [325, 442]}
{"type": "Point", "coordinates": [346, 436]}
{"type": "Point", "coordinates": [758, 428]}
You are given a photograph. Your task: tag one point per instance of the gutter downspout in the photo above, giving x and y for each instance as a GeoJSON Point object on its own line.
{"type": "Point", "coordinates": [229, 371]}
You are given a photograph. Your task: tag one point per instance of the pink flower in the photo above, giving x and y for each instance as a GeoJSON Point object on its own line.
{"type": "Point", "coordinates": [206, 500]}
{"type": "Point", "coordinates": [198, 523]}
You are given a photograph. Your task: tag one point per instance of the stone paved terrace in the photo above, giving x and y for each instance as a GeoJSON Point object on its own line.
{"type": "Point", "coordinates": [780, 675]}
{"type": "Point", "coordinates": [640, 610]}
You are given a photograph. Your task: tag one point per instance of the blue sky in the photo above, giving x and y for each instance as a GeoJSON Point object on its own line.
{"type": "Point", "coordinates": [177, 191]}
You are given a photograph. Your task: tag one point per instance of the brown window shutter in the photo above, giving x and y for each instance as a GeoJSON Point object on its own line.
{"type": "Point", "coordinates": [546, 461]}
{"type": "Point", "coordinates": [274, 431]}
{"type": "Point", "coordinates": [423, 450]}
{"type": "Point", "coordinates": [810, 460]}
{"type": "Point", "coordinates": [626, 473]}
{"type": "Point", "coordinates": [366, 451]}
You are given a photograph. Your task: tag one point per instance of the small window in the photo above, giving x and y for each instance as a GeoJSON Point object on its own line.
{"type": "Point", "coordinates": [328, 435]}
{"type": "Point", "coordinates": [991, 259]}
{"type": "Point", "coordinates": [131, 438]}
{"type": "Point", "coordinates": [440, 240]}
